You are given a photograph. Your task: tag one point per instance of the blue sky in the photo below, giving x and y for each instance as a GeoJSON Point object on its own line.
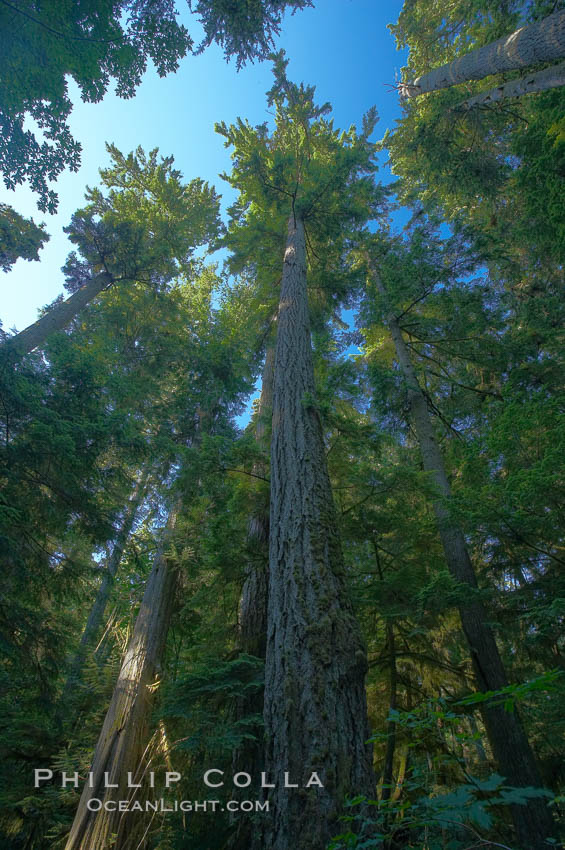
{"type": "Point", "coordinates": [343, 47]}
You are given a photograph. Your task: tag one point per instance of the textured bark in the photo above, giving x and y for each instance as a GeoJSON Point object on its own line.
{"type": "Point", "coordinates": [55, 319]}
{"type": "Point", "coordinates": [505, 732]}
{"type": "Point", "coordinates": [96, 616]}
{"type": "Point", "coordinates": [543, 41]}
{"type": "Point", "coordinates": [549, 78]}
{"type": "Point", "coordinates": [315, 705]}
{"type": "Point", "coordinates": [125, 733]}
{"type": "Point", "coordinates": [253, 604]}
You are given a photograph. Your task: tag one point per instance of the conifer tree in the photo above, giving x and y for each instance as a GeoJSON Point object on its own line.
{"type": "Point", "coordinates": [195, 395]}
{"type": "Point", "coordinates": [124, 738]}
{"type": "Point", "coordinates": [146, 229]}
{"type": "Point", "coordinates": [505, 732]}
{"type": "Point", "coordinates": [305, 175]}
{"type": "Point", "coordinates": [72, 439]}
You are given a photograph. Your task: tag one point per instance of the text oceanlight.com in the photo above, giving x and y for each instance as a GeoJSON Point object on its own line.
{"type": "Point", "coordinates": [164, 806]}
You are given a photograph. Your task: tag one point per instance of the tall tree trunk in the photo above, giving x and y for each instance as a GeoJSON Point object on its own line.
{"type": "Point", "coordinates": [504, 729]}
{"type": "Point", "coordinates": [315, 703]}
{"type": "Point", "coordinates": [249, 757]}
{"type": "Point", "coordinates": [393, 689]}
{"type": "Point", "coordinates": [549, 78]}
{"type": "Point", "coordinates": [57, 318]}
{"type": "Point", "coordinates": [125, 733]}
{"type": "Point", "coordinates": [543, 41]}
{"type": "Point", "coordinates": [96, 616]}
{"type": "Point", "coordinates": [253, 603]}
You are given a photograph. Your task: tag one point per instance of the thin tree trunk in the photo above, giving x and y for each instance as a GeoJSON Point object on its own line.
{"type": "Point", "coordinates": [125, 733]}
{"type": "Point", "coordinates": [504, 729]}
{"type": "Point", "coordinates": [481, 755]}
{"type": "Point", "coordinates": [57, 318]}
{"type": "Point", "coordinates": [249, 757]}
{"type": "Point", "coordinates": [96, 616]}
{"type": "Point", "coordinates": [402, 771]}
{"type": "Point", "coordinates": [391, 725]}
{"type": "Point", "coordinates": [393, 688]}
{"type": "Point", "coordinates": [543, 41]}
{"type": "Point", "coordinates": [253, 604]}
{"type": "Point", "coordinates": [549, 78]}
{"type": "Point", "coordinates": [404, 759]}
{"type": "Point", "coordinates": [315, 703]}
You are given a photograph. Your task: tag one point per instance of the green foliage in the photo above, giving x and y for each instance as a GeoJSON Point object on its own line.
{"type": "Point", "coordinates": [481, 168]}
{"type": "Point", "coordinates": [246, 29]}
{"type": "Point", "coordinates": [447, 821]}
{"type": "Point", "coordinates": [148, 225]}
{"type": "Point", "coordinates": [97, 43]}
{"type": "Point", "coordinates": [202, 697]}
{"type": "Point", "coordinates": [122, 388]}
{"type": "Point", "coordinates": [19, 237]}
{"type": "Point", "coordinates": [93, 44]}
{"type": "Point", "coordinates": [324, 172]}
{"type": "Point", "coordinates": [540, 146]}
{"type": "Point", "coordinates": [430, 811]}
{"type": "Point", "coordinates": [308, 168]}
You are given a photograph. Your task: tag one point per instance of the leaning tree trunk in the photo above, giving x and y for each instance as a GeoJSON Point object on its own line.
{"type": "Point", "coordinates": [125, 734]}
{"type": "Point", "coordinates": [57, 318]}
{"type": "Point", "coordinates": [543, 41]}
{"type": "Point", "coordinates": [550, 78]}
{"type": "Point", "coordinates": [504, 729]}
{"type": "Point", "coordinates": [96, 616]}
{"type": "Point", "coordinates": [315, 703]}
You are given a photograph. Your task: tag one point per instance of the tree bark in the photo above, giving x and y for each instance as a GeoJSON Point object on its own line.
{"type": "Point", "coordinates": [96, 615]}
{"type": "Point", "coordinates": [505, 732]}
{"type": "Point", "coordinates": [549, 78]}
{"type": "Point", "coordinates": [57, 318]}
{"type": "Point", "coordinates": [125, 733]}
{"type": "Point", "coordinates": [393, 693]}
{"type": "Point", "coordinates": [315, 703]}
{"type": "Point", "coordinates": [543, 41]}
{"type": "Point", "coordinates": [253, 603]}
